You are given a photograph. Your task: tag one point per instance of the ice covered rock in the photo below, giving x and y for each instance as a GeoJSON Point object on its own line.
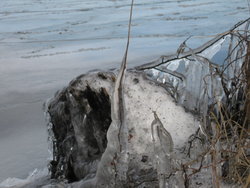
{"type": "Point", "coordinates": [140, 137]}
{"type": "Point", "coordinates": [80, 117]}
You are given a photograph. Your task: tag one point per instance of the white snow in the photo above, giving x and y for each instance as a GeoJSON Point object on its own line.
{"type": "Point", "coordinates": [141, 100]}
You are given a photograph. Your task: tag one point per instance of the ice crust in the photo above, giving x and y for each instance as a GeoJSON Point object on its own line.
{"type": "Point", "coordinates": [34, 176]}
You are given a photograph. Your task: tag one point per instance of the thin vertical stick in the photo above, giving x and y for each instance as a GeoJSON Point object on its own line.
{"type": "Point", "coordinates": [119, 113]}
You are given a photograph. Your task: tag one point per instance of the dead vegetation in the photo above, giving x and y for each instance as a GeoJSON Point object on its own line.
{"type": "Point", "coordinates": [222, 103]}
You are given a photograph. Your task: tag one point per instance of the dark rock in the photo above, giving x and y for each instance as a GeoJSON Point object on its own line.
{"type": "Point", "coordinates": [80, 117]}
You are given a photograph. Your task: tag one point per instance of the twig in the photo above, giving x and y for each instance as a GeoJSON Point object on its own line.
{"type": "Point", "coordinates": [164, 59]}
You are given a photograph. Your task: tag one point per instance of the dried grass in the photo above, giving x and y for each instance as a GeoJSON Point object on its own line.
{"type": "Point", "coordinates": [229, 120]}
{"type": "Point", "coordinates": [225, 121]}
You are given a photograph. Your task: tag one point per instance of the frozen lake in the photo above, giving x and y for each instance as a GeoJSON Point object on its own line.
{"type": "Point", "coordinates": [45, 43]}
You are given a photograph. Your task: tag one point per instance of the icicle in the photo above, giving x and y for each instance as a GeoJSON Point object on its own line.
{"type": "Point", "coordinates": [163, 147]}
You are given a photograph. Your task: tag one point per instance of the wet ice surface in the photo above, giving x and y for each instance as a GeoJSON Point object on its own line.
{"type": "Point", "coordinates": [44, 44]}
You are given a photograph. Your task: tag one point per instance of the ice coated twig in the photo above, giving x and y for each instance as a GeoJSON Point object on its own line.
{"type": "Point", "coordinates": [164, 59]}
{"type": "Point", "coordinates": [119, 113]}
{"type": "Point", "coordinates": [182, 47]}
{"type": "Point", "coordinates": [113, 167]}
{"type": "Point", "coordinates": [163, 147]}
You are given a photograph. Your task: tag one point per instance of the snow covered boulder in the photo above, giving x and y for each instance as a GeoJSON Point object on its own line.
{"type": "Point", "coordinates": [80, 117]}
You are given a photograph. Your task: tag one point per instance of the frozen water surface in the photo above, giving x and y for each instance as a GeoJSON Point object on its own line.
{"type": "Point", "coordinates": [44, 44]}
